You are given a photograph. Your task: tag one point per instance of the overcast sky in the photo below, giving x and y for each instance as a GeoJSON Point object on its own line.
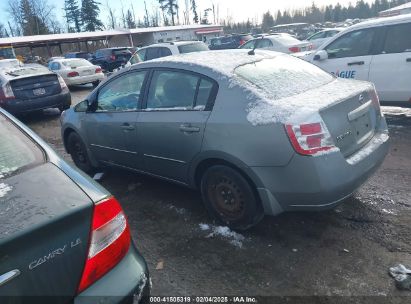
{"type": "Point", "coordinates": [238, 10]}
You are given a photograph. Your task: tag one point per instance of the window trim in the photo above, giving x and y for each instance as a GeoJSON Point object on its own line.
{"type": "Point", "coordinates": [211, 99]}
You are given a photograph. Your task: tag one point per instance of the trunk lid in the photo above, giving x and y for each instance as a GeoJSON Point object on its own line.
{"type": "Point", "coordinates": [44, 233]}
{"type": "Point", "coordinates": [35, 86]}
{"type": "Point", "coordinates": [352, 122]}
{"type": "Point", "coordinates": [85, 70]}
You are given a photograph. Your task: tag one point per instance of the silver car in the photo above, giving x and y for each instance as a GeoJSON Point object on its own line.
{"type": "Point", "coordinates": [257, 132]}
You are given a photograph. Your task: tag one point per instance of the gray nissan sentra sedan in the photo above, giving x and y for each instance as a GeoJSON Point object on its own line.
{"type": "Point", "coordinates": [258, 133]}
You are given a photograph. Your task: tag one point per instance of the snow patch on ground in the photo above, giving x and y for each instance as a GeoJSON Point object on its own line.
{"type": "Point", "coordinates": [180, 211]}
{"type": "Point", "coordinates": [377, 140]}
{"type": "Point", "coordinates": [4, 189]}
{"type": "Point", "coordinates": [233, 237]}
{"type": "Point", "coordinates": [389, 211]}
{"type": "Point", "coordinates": [396, 111]}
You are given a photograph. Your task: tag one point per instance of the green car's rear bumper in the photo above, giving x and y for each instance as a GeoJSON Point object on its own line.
{"type": "Point", "coordinates": [128, 281]}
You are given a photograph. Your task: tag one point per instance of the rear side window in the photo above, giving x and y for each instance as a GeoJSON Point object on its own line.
{"type": "Point", "coordinates": [163, 52]}
{"type": "Point", "coordinates": [17, 151]}
{"type": "Point", "coordinates": [265, 43]}
{"type": "Point", "coordinates": [194, 47]}
{"type": "Point", "coordinates": [283, 76]}
{"type": "Point", "coordinates": [175, 90]}
{"type": "Point", "coordinates": [398, 39]}
{"type": "Point", "coordinates": [353, 44]}
{"type": "Point", "coordinates": [152, 53]}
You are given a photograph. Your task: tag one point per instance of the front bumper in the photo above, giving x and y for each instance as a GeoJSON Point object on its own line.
{"type": "Point", "coordinates": [128, 281]}
{"type": "Point", "coordinates": [316, 183]}
{"type": "Point", "coordinates": [18, 106]}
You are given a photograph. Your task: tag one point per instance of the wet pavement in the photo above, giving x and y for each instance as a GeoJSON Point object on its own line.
{"type": "Point", "coordinates": [343, 252]}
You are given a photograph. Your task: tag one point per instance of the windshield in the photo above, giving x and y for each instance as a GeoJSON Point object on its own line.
{"type": "Point", "coordinates": [76, 63]}
{"type": "Point", "coordinates": [283, 76]}
{"type": "Point", "coordinates": [193, 47]}
{"type": "Point", "coordinates": [17, 151]}
{"type": "Point", "coordinates": [7, 53]}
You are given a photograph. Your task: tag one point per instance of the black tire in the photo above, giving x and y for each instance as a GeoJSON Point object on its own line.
{"type": "Point", "coordinates": [64, 107]}
{"type": "Point", "coordinates": [78, 152]}
{"type": "Point", "coordinates": [230, 198]}
{"type": "Point", "coordinates": [95, 83]}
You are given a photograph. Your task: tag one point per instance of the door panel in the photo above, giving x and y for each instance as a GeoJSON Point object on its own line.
{"type": "Point", "coordinates": [111, 129]}
{"type": "Point", "coordinates": [390, 70]}
{"type": "Point", "coordinates": [171, 129]}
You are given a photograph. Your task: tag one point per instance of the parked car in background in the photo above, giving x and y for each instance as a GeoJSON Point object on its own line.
{"type": "Point", "coordinates": [9, 63]}
{"type": "Point", "coordinates": [257, 134]}
{"type": "Point", "coordinates": [378, 51]}
{"type": "Point", "coordinates": [159, 50]}
{"type": "Point", "coordinates": [77, 71]}
{"type": "Point", "coordinates": [319, 38]}
{"type": "Point", "coordinates": [66, 239]}
{"type": "Point", "coordinates": [278, 42]}
{"type": "Point", "coordinates": [84, 55]}
{"type": "Point", "coordinates": [32, 87]}
{"type": "Point", "coordinates": [229, 42]}
{"type": "Point", "coordinates": [111, 58]}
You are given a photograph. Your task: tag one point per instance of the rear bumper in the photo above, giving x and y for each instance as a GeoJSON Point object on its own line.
{"type": "Point", "coordinates": [128, 281]}
{"type": "Point", "coordinates": [317, 183]}
{"type": "Point", "coordinates": [17, 106]}
{"type": "Point", "coordinates": [84, 79]}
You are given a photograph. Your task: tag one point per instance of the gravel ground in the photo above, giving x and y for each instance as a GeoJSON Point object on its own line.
{"type": "Point", "coordinates": [343, 252]}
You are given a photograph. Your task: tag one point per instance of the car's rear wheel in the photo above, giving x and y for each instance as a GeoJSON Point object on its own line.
{"type": "Point", "coordinates": [230, 198]}
{"type": "Point", "coordinates": [78, 152]}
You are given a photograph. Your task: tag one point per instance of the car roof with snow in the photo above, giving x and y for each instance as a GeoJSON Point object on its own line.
{"type": "Point", "coordinates": [381, 21]}
{"type": "Point", "coordinates": [176, 43]}
{"type": "Point", "coordinates": [222, 62]}
{"type": "Point", "coordinates": [26, 70]}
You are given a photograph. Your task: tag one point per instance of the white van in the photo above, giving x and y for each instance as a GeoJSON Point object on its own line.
{"type": "Point", "coordinates": [378, 50]}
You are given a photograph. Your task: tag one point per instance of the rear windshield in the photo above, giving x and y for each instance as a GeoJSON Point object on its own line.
{"type": "Point", "coordinates": [283, 76]}
{"type": "Point", "coordinates": [17, 151]}
{"type": "Point", "coordinates": [194, 47]}
{"type": "Point", "coordinates": [286, 39]}
{"type": "Point", "coordinates": [122, 52]}
{"type": "Point", "coordinates": [76, 63]}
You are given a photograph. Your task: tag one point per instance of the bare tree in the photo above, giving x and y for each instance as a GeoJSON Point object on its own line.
{"type": "Point", "coordinates": [112, 19]}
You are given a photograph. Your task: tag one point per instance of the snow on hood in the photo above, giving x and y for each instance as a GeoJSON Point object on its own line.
{"type": "Point", "coordinates": [264, 110]}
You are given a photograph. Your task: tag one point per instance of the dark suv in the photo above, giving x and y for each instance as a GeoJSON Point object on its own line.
{"type": "Point", "coordinates": [229, 42]}
{"type": "Point", "coordinates": [111, 58]}
{"type": "Point", "coordinates": [84, 55]}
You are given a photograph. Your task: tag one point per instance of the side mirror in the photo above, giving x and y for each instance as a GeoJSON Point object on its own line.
{"type": "Point", "coordinates": [320, 55]}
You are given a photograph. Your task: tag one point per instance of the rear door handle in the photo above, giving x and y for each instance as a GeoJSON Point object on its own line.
{"type": "Point", "coordinates": [356, 63]}
{"type": "Point", "coordinates": [127, 127]}
{"type": "Point", "coordinates": [187, 128]}
{"type": "Point", "coordinates": [408, 59]}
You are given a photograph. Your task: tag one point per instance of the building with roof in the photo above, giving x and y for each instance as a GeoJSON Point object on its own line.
{"type": "Point", "coordinates": [398, 10]}
{"type": "Point", "coordinates": [58, 44]}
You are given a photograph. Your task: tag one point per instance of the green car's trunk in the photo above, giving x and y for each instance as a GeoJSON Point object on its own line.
{"type": "Point", "coordinates": [44, 233]}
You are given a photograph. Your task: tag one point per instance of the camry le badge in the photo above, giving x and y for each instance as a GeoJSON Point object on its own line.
{"type": "Point", "coordinates": [4, 278]}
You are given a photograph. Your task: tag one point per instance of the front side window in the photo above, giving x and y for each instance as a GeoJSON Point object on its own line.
{"type": "Point", "coordinates": [163, 52]}
{"type": "Point", "coordinates": [398, 39]}
{"type": "Point", "coordinates": [152, 53]}
{"type": "Point", "coordinates": [17, 151]}
{"type": "Point", "coordinates": [175, 90]}
{"type": "Point", "coordinates": [353, 44]}
{"type": "Point", "coordinates": [249, 45]}
{"type": "Point", "coordinates": [317, 36]}
{"type": "Point", "coordinates": [121, 94]}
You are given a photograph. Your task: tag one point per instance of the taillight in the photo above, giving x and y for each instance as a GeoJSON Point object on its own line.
{"type": "Point", "coordinates": [375, 101]}
{"type": "Point", "coordinates": [109, 241]}
{"type": "Point", "coordinates": [113, 57]}
{"type": "Point", "coordinates": [6, 92]}
{"type": "Point", "coordinates": [294, 49]}
{"type": "Point", "coordinates": [242, 41]}
{"type": "Point", "coordinates": [63, 84]}
{"type": "Point", "coordinates": [99, 70]}
{"type": "Point", "coordinates": [310, 138]}
{"type": "Point", "coordinates": [72, 74]}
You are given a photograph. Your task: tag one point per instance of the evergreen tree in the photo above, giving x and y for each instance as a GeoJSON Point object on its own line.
{"type": "Point", "coordinates": [89, 15]}
{"type": "Point", "coordinates": [170, 7]}
{"type": "Point", "coordinates": [268, 21]}
{"type": "Point", "coordinates": [31, 23]}
{"type": "Point", "coordinates": [194, 9]}
{"type": "Point", "coordinates": [73, 15]}
{"type": "Point", "coordinates": [131, 24]}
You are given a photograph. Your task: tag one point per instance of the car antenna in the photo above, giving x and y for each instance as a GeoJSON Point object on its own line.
{"type": "Point", "coordinates": [252, 52]}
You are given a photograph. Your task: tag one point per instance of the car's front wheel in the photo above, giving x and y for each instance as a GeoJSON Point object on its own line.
{"type": "Point", "coordinates": [78, 152]}
{"type": "Point", "coordinates": [230, 198]}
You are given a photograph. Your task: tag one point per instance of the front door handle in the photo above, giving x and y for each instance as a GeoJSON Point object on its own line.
{"type": "Point", "coordinates": [408, 60]}
{"type": "Point", "coordinates": [127, 127]}
{"type": "Point", "coordinates": [356, 63]}
{"type": "Point", "coordinates": [188, 128]}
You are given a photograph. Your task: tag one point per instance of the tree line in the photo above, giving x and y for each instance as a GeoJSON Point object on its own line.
{"type": "Point", "coordinates": [36, 17]}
